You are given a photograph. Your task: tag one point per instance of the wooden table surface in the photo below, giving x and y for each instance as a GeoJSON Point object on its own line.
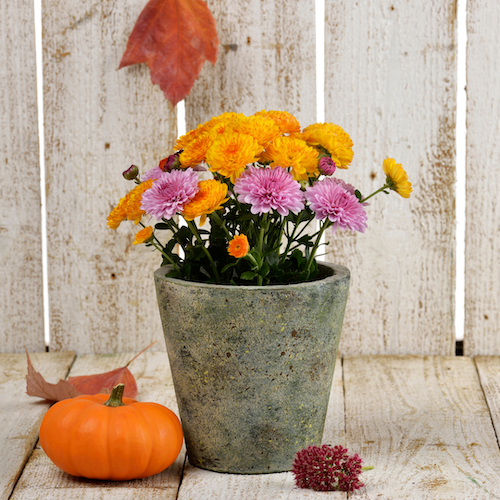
{"type": "Point", "coordinates": [426, 423]}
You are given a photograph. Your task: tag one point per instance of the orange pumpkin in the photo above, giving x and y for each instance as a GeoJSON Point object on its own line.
{"type": "Point", "coordinates": [111, 437]}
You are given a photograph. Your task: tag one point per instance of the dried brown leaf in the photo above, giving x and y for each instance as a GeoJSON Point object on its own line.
{"type": "Point", "coordinates": [37, 386]}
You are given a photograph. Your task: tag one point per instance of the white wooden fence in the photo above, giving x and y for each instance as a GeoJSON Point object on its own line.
{"type": "Point", "coordinates": [390, 83]}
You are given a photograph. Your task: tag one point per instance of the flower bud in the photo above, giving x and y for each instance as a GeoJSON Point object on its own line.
{"type": "Point", "coordinates": [131, 173]}
{"type": "Point", "coordinates": [327, 166]}
{"type": "Point", "coordinates": [171, 162]}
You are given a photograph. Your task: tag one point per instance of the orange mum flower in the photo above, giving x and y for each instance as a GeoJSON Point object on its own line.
{"type": "Point", "coordinates": [216, 125]}
{"type": "Point", "coordinates": [295, 153]}
{"type": "Point", "coordinates": [134, 210]}
{"type": "Point", "coordinates": [194, 152]}
{"type": "Point", "coordinates": [143, 235]}
{"type": "Point", "coordinates": [231, 152]}
{"type": "Point", "coordinates": [332, 138]}
{"type": "Point", "coordinates": [129, 207]}
{"type": "Point", "coordinates": [261, 128]}
{"type": "Point", "coordinates": [286, 122]}
{"type": "Point", "coordinates": [238, 247]}
{"type": "Point", "coordinates": [210, 197]}
{"type": "Point", "coordinates": [118, 214]}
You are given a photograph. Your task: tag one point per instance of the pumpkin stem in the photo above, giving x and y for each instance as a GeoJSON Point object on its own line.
{"type": "Point", "coordinates": [116, 396]}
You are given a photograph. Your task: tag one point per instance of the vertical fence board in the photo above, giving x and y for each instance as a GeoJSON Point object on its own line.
{"type": "Point", "coordinates": [482, 230]}
{"type": "Point", "coordinates": [267, 60]}
{"type": "Point", "coordinates": [391, 84]}
{"type": "Point", "coordinates": [98, 121]}
{"type": "Point", "coordinates": [21, 300]}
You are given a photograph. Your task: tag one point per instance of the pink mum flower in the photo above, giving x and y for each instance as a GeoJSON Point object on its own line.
{"type": "Point", "coordinates": [333, 199]}
{"type": "Point", "coordinates": [170, 193]}
{"type": "Point", "coordinates": [327, 469]}
{"type": "Point", "coordinates": [267, 189]}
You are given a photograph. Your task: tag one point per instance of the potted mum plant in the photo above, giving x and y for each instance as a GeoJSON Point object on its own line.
{"type": "Point", "coordinates": [252, 320]}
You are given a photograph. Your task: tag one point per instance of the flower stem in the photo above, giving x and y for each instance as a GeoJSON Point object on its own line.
{"type": "Point", "coordinates": [386, 186]}
{"type": "Point", "coordinates": [263, 229]}
{"type": "Point", "coordinates": [325, 225]}
{"type": "Point", "coordinates": [215, 216]}
{"type": "Point", "coordinates": [194, 230]}
{"type": "Point", "coordinates": [291, 238]}
{"type": "Point", "coordinates": [160, 249]}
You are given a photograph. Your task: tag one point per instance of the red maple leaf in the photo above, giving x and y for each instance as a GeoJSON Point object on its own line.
{"type": "Point", "coordinates": [174, 38]}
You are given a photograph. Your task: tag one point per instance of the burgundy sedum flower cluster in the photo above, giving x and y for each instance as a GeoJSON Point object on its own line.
{"type": "Point", "coordinates": [327, 469]}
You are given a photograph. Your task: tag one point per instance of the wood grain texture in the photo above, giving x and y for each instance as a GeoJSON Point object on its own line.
{"type": "Point", "coordinates": [488, 368]}
{"type": "Point", "coordinates": [41, 478]}
{"type": "Point", "coordinates": [20, 216]}
{"type": "Point", "coordinates": [482, 229]}
{"type": "Point", "coordinates": [424, 424]}
{"type": "Point", "coordinates": [266, 61]}
{"type": "Point", "coordinates": [98, 121]}
{"type": "Point", "coordinates": [391, 84]}
{"type": "Point", "coordinates": [199, 484]}
{"type": "Point", "coordinates": [20, 414]}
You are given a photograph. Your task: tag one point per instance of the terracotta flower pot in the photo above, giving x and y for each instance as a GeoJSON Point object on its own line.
{"type": "Point", "coordinates": [252, 366]}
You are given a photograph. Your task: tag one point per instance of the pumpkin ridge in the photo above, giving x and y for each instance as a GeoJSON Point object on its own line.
{"type": "Point", "coordinates": [148, 425]}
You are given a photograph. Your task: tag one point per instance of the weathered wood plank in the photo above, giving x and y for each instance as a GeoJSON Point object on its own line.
{"type": "Point", "coordinates": [266, 61]}
{"type": "Point", "coordinates": [424, 424]}
{"type": "Point", "coordinates": [391, 84]}
{"type": "Point", "coordinates": [488, 368]}
{"type": "Point", "coordinates": [97, 122]}
{"type": "Point", "coordinates": [41, 478]}
{"type": "Point", "coordinates": [20, 216]}
{"type": "Point", "coordinates": [20, 414]}
{"type": "Point", "coordinates": [482, 229]}
{"type": "Point", "coordinates": [200, 484]}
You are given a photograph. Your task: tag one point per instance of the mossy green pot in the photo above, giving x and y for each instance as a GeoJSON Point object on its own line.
{"type": "Point", "coordinates": [252, 366]}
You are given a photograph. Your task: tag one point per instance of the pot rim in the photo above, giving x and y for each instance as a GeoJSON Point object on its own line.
{"type": "Point", "coordinates": [339, 272]}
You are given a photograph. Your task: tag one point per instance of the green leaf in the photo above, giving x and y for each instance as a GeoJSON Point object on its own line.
{"type": "Point", "coordinates": [248, 275]}
{"type": "Point", "coordinates": [359, 196]}
{"type": "Point", "coordinates": [162, 226]}
{"type": "Point", "coordinates": [264, 270]}
{"type": "Point", "coordinates": [228, 266]}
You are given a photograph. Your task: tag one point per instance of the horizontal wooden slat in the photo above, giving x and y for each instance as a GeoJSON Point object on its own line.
{"type": "Point", "coordinates": [41, 478]}
{"type": "Point", "coordinates": [20, 414]}
{"type": "Point", "coordinates": [424, 424]}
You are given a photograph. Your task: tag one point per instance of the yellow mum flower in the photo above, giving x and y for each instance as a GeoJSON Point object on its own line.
{"type": "Point", "coordinates": [238, 247]}
{"type": "Point", "coordinates": [262, 129]}
{"type": "Point", "coordinates": [295, 153]}
{"type": "Point", "coordinates": [210, 197]}
{"type": "Point", "coordinates": [143, 235]}
{"type": "Point", "coordinates": [129, 207]}
{"type": "Point", "coordinates": [332, 138]}
{"type": "Point", "coordinates": [397, 179]}
{"type": "Point", "coordinates": [286, 122]}
{"type": "Point", "coordinates": [231, 152]}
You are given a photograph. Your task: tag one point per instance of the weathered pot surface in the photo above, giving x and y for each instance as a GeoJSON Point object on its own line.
{"type": "Point", "coordinates": [252, 366]}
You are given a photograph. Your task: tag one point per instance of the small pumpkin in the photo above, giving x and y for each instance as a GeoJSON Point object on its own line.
{"type": "Point", "coordinates": [116, 439]}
